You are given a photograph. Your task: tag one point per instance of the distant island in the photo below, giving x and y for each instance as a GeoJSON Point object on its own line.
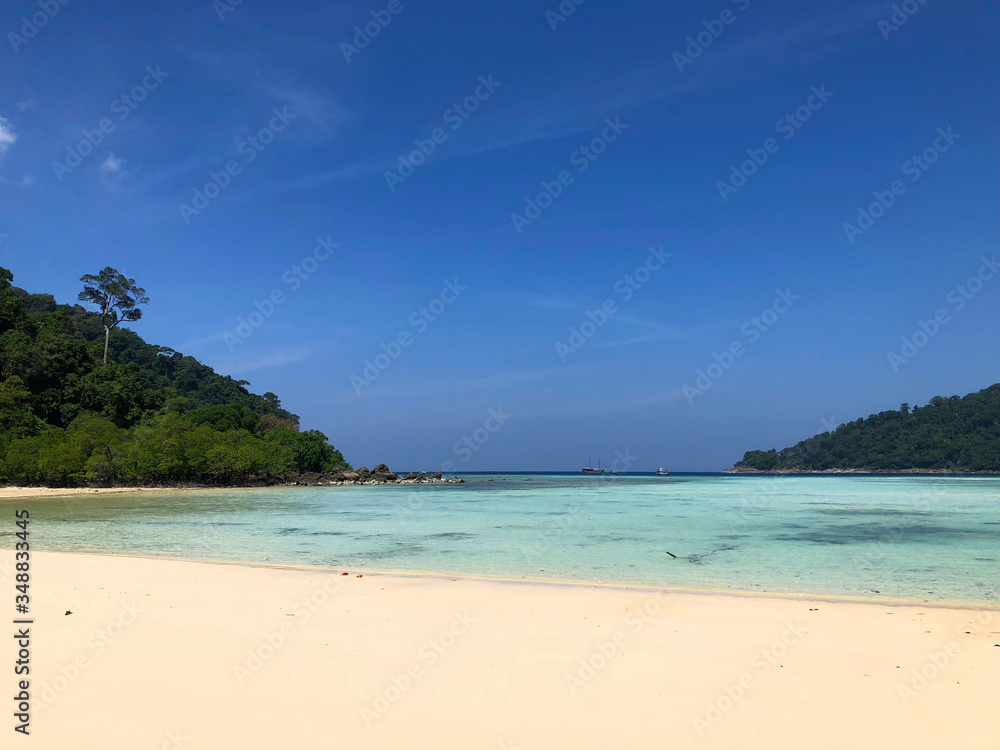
{"type": "Point", "coordinates": [84, 401]}
{"type": "Point", "coordinates": [960, 435]}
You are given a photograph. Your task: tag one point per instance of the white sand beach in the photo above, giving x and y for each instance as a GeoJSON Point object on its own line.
{"type": "Point", "coordinates": [175, 654]}
{"type": "Point", "coordinates": [11, 493]}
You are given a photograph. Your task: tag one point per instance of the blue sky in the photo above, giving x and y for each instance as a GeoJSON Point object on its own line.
{"type": "Point", "coordinates": [764, 267]}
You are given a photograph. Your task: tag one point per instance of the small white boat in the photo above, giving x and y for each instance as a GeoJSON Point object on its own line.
{"type": "Point", "coordinates": [661, 472]}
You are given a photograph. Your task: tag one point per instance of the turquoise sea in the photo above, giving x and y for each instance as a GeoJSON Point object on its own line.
{"type": "Point", "coordinates": [919, 538]}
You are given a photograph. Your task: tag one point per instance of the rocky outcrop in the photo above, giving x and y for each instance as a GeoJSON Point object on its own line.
{"type": "Point", "coordinates": [381, 474]}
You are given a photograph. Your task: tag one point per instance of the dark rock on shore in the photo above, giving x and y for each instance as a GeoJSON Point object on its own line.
{"type": "Point", "coordinates": [381, 474]}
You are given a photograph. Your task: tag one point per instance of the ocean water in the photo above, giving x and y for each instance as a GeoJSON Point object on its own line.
{"type": "Point", "coordinates": [917, 538]}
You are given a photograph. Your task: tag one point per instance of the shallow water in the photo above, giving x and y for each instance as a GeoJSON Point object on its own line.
{"type": "Point", "coordinates": [922, 538]}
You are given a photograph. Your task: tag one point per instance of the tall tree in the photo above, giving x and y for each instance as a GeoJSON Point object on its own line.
{"type": "Point", "coordinates": [116, 298]}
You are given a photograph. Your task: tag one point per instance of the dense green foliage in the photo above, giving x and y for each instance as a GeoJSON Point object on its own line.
{"type": "Point", "coordinates": [149, 415]}
{"type": "Point", "coordinates": [116, 297]}
{"type": "Point", "coordinates": [961, 434]}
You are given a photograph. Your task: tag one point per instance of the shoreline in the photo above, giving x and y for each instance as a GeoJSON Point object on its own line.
{"type": "Point", "coordinates": [20, 491]}
{"type": "Point", "coordinates": [12, 492]}
{"type": "Point", "coordinates": [865, 472]}
{"type": "Point", "coordinates": [8, 492]}
{"type": "Point", "coordinates": [34, 493]}
{"type": "Point", "coordinates": [993, 606]}
{"type": "Point", "coordinates": [380, 476]}
{"type": "Point", "coordinates": [256, 657]}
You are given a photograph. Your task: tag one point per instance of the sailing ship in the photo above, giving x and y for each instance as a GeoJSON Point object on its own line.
{"type": "Point", "coordinates": [588, 469]}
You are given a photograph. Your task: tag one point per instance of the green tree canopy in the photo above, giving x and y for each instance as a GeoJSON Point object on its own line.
{"type": "Point", "coordinates": [961, 434]}
{"type": "Point", "coordinates": [116, 297]}
{"type": "Point", "coordinates": [151, 414]}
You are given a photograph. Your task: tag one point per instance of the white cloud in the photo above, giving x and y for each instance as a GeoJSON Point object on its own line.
{"type": "Point", "coordinates": [275, 358]}
{"type": "Point", "coordinates": [26, 104]}
{"type": "Point", "coordinates": [7, 136]}
{"type": "Point", "coordinates": [111, 164]}
{"type": "Point", "coordinates": [28, 181]}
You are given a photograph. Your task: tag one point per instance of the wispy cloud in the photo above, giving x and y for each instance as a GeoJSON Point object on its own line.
{"type": "Point", "coordinates": [547, 301]}
{"type": "Point", "coordinates": [315, 109]}
{"type": "Point", "coordinates": [26, 104]}
{"type": "Point", "coordinates": [464, 383]}
{"type": "Point", "coordinates": [569, 111]}
{"type": "Point", "coordinates": [317, 179]}
{"type": "Point", "coordinates": [111, 164]}
{"type": "Point", "coordinates": [112, 172]}
{"type": "Point", "coordinates": [26, 181]}
{"type": "Point", "coordinates": [812, 39]}
{"type": "Point", "coordinates": [284, 356]}
{"type": "Point", "coordinates": [632, 401]}
{"type": "Point", "coordinates": [266, 77]}
{"type": "Point", "coordinates": [644, 330]}
{"type": "Point", "coordinates": [7, 136]}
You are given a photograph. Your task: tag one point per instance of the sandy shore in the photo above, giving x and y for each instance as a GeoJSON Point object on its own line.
{"type": "Point", "coordinates": [171, 654]}
{"type": "Point", "coordinates": [9, 493]}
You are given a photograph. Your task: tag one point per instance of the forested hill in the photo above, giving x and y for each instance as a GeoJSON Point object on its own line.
{"type": "Point", "coordinates": [149, 414]}
{"type": "Point", "coordinates": [958, 434]}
